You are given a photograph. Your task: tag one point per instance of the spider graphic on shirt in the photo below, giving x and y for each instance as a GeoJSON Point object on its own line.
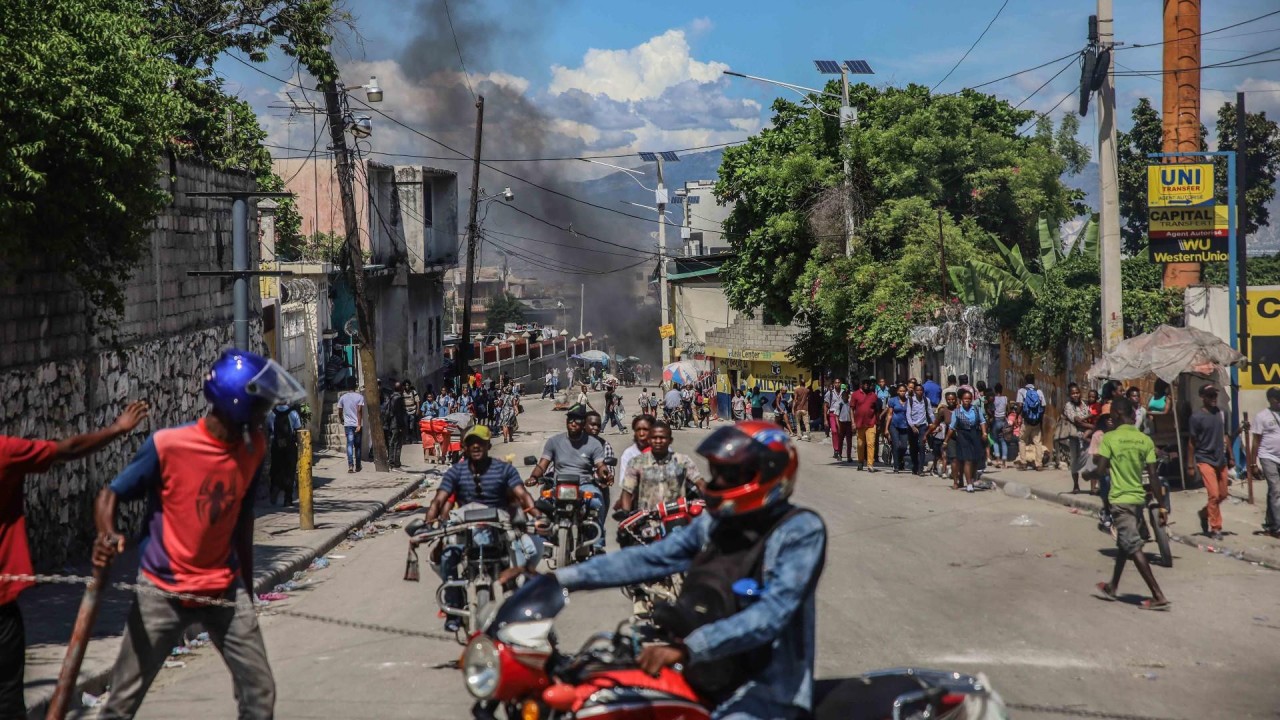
{"type": "Point", "coordinates": [214, 499]}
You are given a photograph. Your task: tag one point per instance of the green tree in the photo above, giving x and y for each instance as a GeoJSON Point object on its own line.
{"type": "Point", "coordinates": [1262, 164]}
{"type": "Point", "coordinates": [502, 309]}
{"type": "Point", "coordinates": [913, 155]}
{"type": "Point", "coordinates": [1132, 147]}
{"type": "Point", "coordinates": [87, 112]}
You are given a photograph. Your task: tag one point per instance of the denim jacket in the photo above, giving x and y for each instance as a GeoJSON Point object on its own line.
{"type": "Point", "coordinates": [783, 616]}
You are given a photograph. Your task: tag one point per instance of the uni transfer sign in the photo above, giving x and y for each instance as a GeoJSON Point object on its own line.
{"type": "Point", "coordinates": [1180, 185]}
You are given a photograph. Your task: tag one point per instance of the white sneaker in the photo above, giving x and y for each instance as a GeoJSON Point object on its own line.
{"type": "Point", "coordinates": [968, 488]}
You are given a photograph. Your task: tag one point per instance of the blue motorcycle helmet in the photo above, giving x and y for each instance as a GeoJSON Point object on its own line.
{"type": "Point", "coordinates": [242, 386]}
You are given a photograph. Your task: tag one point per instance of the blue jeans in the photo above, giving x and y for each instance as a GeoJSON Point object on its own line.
{"type": "Point", "coordinates": [353, 446]}
{"type": "Point", "coordinates": [596, 504]}
{"type": "Point", "coordinates": [999, 444]}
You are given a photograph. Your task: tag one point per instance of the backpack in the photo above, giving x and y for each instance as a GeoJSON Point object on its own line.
{"type": "Point", "coordinates": [282, 430]}
{"type": "Point", "coordinates": [1032, 407]}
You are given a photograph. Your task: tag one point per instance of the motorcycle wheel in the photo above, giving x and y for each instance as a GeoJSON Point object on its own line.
{"type": "Point", "coordinates": [1162, 537]}
{"type": "Point", "coordinates": [564, 551]}
{"type": "Point", "coordinates": [484, 596]}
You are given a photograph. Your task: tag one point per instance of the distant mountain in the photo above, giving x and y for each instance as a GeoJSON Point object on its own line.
{"type": "Point", "coordinates": [617, 186]}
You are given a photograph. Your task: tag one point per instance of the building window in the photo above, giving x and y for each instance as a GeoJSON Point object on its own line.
{"type": "Point", "coordinates": [430, 337]}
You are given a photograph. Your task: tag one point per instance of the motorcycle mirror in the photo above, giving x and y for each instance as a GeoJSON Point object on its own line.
{"type": "Point", "coordinates": [413, 527]}
{"type": "Point", "coordinates": [530, 460]}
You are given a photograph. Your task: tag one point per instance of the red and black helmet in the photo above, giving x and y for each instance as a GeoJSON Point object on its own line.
{"type": "Point", "coordinates": [753, 466]}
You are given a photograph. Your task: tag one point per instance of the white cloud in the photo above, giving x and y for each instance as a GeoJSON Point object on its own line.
{"type": "Point", "coordinates": [642, 72]}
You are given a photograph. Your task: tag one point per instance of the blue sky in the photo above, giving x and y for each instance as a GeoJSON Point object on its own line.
{"type": "Point", "coordinates": [623, 75]}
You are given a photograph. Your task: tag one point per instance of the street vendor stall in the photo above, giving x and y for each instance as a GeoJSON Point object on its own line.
{"type": "Point", "coordinates": [1169, 353]}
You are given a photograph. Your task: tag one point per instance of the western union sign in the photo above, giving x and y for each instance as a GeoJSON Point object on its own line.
{"type": "Point", "coordinates": [1264, 340]}
{"type": "Point", "coordinates": [1180, 185]}
{"type": "Point", "coordinates": [1168, 223]}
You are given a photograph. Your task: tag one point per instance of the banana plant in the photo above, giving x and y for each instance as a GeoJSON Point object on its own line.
{"type": "Point", "coordinates": [983, 283]}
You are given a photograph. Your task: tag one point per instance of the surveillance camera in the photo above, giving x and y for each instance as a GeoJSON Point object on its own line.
{"type": "Point", "coordinates": [508, 195]}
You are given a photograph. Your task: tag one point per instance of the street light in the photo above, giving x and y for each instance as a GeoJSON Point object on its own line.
{"type": "Point", "coordinates": [361, 127]}
{"type": "Point", "coordinates": [371, 91]}
{"type": "Point", "coordinates": [660, 197]}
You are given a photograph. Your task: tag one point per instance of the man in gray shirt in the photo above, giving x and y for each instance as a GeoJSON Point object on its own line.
{"type": "Point", "coordinates": [1210, 455]}
{"type": "Point", "coordinates": [576, 453]}
{"type": "Point", "coordinates": [352, 405]}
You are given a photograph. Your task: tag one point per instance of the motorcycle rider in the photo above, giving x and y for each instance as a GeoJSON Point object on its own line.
{"type": "Point", "coordinates": [480, 479]}
{"type": "Point", "coordinates": [576, 453]}
{"type": "Point", "coordinates": [659, 475]}
{"type": "Point", "coordinates": [672, 401]}
{"type": "Point", "coordinates": [766, 647]}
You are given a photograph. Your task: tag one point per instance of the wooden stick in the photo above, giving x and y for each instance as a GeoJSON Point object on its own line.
{"type": "Point", "coordinates": [62, 694]}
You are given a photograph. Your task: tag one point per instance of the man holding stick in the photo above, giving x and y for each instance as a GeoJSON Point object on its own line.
{"type": "Point", "coordinates": [198, 535]}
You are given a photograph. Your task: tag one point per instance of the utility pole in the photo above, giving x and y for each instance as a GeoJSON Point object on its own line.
{"type": "Point", "coordinates": [1109, 185]}
{"type": "Point", "coordinates": [942, 255]}
{"type": "Point", "coordinates": [846, 119]}
{"type": "Point", "coordinates": [335, 102]}
{"type": "Point", "coordinates": [1181, 102]}
{"type": "Point", "coordinates": [664, 302]}
{"type": "Point", "coordinates": [1242, 245]}
{"type": "Point", "coordinates": [464, 344]}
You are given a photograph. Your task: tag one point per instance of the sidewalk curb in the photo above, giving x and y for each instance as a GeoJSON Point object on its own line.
{"type": "Point", "coordinates": [94, 681]}
{"type": "Point", "coordinates": [1094, 508]}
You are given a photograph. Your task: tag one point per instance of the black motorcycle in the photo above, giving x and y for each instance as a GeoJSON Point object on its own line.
{"type": "Point", "coordinates": [573, 527]}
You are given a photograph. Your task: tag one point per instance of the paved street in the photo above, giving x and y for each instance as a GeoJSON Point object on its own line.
{"type": "Point", "coordinates": [916, 574]}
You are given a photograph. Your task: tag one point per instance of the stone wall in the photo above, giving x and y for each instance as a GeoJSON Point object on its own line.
{"type": "Point", "coordinates": [58, 379]}
{"type": "Point", "coordinates": [748, 333]}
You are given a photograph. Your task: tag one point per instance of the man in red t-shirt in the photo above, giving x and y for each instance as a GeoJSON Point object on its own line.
{"type": "Point", "coordinates": [198, 534]}
{"type": "Point", "coordinates": [866, 408]}
{"type": "Point", "coordinates": [18, 458]}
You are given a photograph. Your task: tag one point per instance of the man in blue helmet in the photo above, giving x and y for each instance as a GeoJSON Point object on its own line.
{"type": "Point", "coordinates": [198, 534]}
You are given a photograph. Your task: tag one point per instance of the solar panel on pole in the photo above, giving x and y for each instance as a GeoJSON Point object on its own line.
{"type": "Point", "coordinates": [827, 67]}
{"type": "Point", "coordinates": [858, 67]}
{"type": "Point", "coordinates": [649, 157]}
{"type": "Point", "coordinates": [669, 156]}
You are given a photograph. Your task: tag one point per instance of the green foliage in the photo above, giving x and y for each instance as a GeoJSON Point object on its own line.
{"type": "Point", "coordinates": [503, 309]}
{"type": "Point", "coordinates": [912, 155]}
{"type": "Point", "coordinates": [1143, 137]}
{"type": "Point", "coordinates": [318, 247]}
{"type": "Point", "coordinates": [1262, 162]}
{"type": "Point", "coordinates": [1263, 270]}
{"type": "Point", "coordinates": [87, 112]}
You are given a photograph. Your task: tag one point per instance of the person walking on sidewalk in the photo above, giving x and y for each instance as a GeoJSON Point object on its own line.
{"type": "Point", "coordinates": [830, 408]}
{"type": "Point", "coordinates": [896, 426]}
{"type": "Point", "coordinates": [20, 457]}
{"type": "Point", "coordinates": [969, 428]}
{"type": "Point", "coordinates": [1123, 454]}
{"type": "Point", "coordinates": [352, 406]}
{"type": "Point", "coordinates": [844, 426]}
{"type": "Point", "coordinates": [1078, 419]}
{"type": "Point", "coordinates": [919, 416]}
{"type": "Point", "coordinates": [1266, 449]}
{"type": "Point", "coordinates": [801, 405]}
{"type": "Point", "coordinates": [285, 424]}
{"type": "Point", "coordinates": [547, 389]}
{"type": "Point", "coordinates": [1033, 402]}
{"type": "Point", "coordinates": [1211, 457]}
{"type": "Point", "coordinates": [198, 535]}
{"type": "Point", "coordinates": [943, 451]}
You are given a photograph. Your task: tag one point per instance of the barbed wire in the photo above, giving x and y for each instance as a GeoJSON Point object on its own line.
{"type": "Point", "coordinates": [88, 580]}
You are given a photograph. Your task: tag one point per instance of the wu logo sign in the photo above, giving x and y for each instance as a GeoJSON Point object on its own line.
{"type": "Point", "coordinates": [1264, 343]}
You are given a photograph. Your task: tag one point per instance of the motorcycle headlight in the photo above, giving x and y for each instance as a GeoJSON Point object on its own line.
{"type": "Point", "coordinates": [480, 667]}
{"type": "Point", "coordinates": [566, 492]}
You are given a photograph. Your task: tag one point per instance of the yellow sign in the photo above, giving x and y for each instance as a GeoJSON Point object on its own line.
{"type": "Point", "coordinates": [1264, 341]}
{"type": "Point", "coordinates": [1180, 185]}
{"type": "Point", "coordinates": [1196, 222]}
{"type": "Point", "coordinates": [741, 354]}
{"type": "Point", "coordinates": [667, 331]}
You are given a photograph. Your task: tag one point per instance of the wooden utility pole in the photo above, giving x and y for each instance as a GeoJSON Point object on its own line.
{"type": "Point", "coordinates": [1109, 188]}
{"type": "Point", "coordinates": [463, 365]}
{"type": "Point", "coordinates": [1181, 102]}
{"type": "Point", "coordinates": [335, 104]}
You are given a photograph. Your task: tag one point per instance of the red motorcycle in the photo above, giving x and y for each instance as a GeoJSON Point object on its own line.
{"type": "Point", "coordinates": [514, 665]}
{"type": "Point", "coordinates": [645, 527]}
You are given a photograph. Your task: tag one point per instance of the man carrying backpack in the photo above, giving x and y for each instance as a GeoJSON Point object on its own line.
{"type": "Point", "coordinates": [285, 424]}
{"type": "Point", "coordinates": [1033, 403]}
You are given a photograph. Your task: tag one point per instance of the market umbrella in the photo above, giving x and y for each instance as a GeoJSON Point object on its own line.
{"type": "Point", "coordinates": [593, 356]}
{"type": "Point", "coordinates": [681, 372]}
{"type": "Point", "coordinates": [1166, 352]}
{"type": "Point", "coordinates": [633, 358]}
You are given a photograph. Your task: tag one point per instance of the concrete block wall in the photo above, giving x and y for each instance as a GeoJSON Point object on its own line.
{"type": "Point", "coordinates": [753, 334]}
{"type": "Point", "coordinates": [58, 379]}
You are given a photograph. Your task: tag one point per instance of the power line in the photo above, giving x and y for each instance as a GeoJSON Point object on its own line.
{"type": "Point", "coordinates": [1046, 84]}
{"type": "Point", "coordinates": [465, 75]}
{"type": "Point", "coordinates": [615, 156]}
{"type": "Point", "coordinates": [568, 229]}
{"type": "Point", "coordinates": [1214, 66]}
{"type": "Point", "coordinates": [971, 47]}
{"type": "Point", "coordinates": [566, 245]}
{"type": "Point", "coordinates": [1050, 111]}
{"type": "Point", "coordinates": [1211, 32]}
{"type": "Point", "coordinates": [1071, 54]}
{"type": "Point", "coordinates": [545, 263]}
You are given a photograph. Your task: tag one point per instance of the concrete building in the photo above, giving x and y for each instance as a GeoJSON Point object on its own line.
{"type": "Point", "coordinates": [738, 351]}
{"type": "Point", "coordinates": [702, 219]}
